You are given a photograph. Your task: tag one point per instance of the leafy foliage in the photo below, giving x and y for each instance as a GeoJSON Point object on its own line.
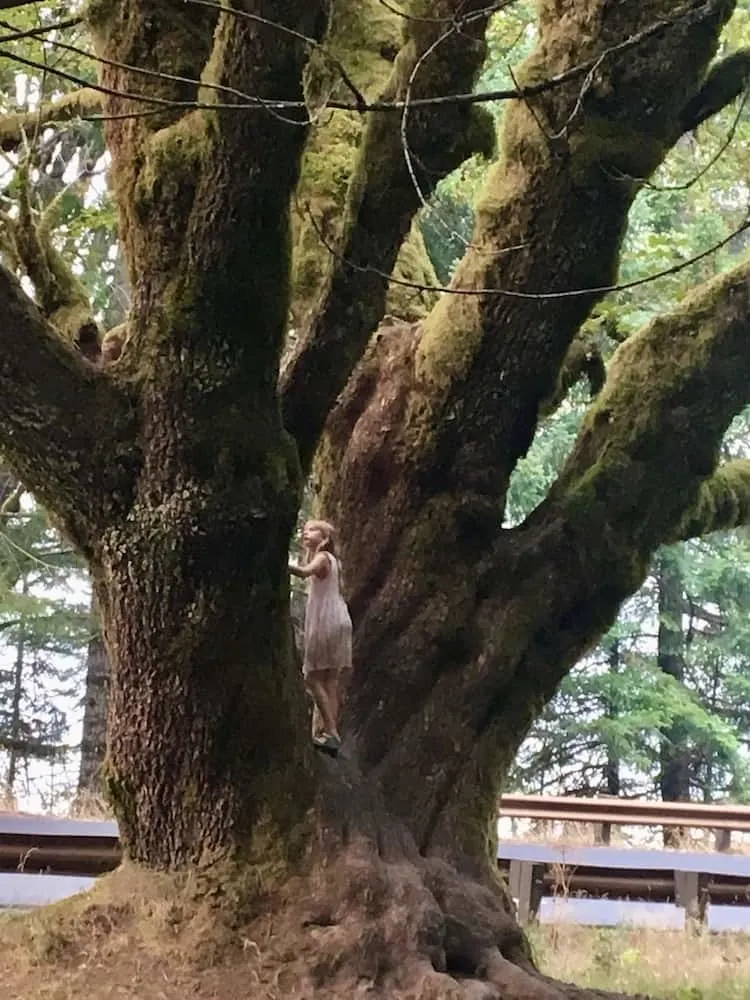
{"type": "Point", "coordinates": [44, 627]}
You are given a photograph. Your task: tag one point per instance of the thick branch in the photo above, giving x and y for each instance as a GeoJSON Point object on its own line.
{"type": "Point", "coordinates": [724, 84]}
{"type": "Point", "coordinates": [60, 295]}
{"type": "Point", "coordinates": [383, 201]}
{"type": "Point", "coordinates": [365, 38]}
{"type": "Point", "coordinates": [427, 433]}
{"type": "Point", "coordinates": [495, 633]}
{"type": "Point", "coordinates": [211, 214]}
{"type": "Point", "coordinates": [651, 440]}
{"type": "Point", "coordinates": [62, 424]}
{"type": "Point", "coordinates": [723, 502]}
{"type": "Point", "coordinates": [583, 360]}
{"type": "Point", "coordinates": [485, 362]}
{"type": "Point", "coordinates": [65, 109]}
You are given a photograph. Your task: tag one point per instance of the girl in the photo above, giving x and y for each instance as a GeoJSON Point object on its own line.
{"type": "Point", "coordinates": [328, 632]}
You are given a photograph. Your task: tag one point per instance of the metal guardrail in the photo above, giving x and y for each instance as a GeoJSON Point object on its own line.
{"type": "Point", "coordinates": [90, 847]}
{"type": "Point", "coordinates": [688, 879]}
{"type": "Point", "coordinates": [69, 847]}
{"type": "Point", "coordinates": [61, 846]}
{"type": "Point", "coordinates": [625, 812]}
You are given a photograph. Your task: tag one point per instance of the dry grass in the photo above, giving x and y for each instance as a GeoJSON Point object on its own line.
{"type": "Point", "coordinates": [664, 964]}
{"type": "Point", "coordinates": [137, 935]}
{"type": "Point", "coordinates": [89, 805]}
{"type": "Point", "coordinates": [142, 936]}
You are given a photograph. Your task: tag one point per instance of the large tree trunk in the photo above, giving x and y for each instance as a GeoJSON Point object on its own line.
{"type": "Point", "coordinates": [206, 706]}
{"type": "Point", "coordinates": [464, 629]}
{"type": "Point", "coordinates": [175, 473]}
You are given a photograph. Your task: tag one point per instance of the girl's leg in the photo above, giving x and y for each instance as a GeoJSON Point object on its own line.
{"type": "Point", "coordinates": [318, 683]}
{"type": "Point", "coordinates": [338, 683]}
{"type": "Point", "coordinates": [317, 720]}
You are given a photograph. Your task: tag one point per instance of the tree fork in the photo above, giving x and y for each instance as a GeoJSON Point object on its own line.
{"type": "Point", "coordinates": [382, 202]}
{"type": "Point", "coordinates": [531, 600]}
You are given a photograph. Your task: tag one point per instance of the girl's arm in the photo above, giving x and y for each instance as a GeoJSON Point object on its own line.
{"type": "Point", "coordinates": [318, 566]}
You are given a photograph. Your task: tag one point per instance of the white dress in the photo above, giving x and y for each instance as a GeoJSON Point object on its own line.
{"type": "Point", "coordinates": [328, 627]}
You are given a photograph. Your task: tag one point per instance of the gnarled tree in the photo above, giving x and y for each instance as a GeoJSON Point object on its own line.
{"type": "Point", "coordinates": [178, 468]}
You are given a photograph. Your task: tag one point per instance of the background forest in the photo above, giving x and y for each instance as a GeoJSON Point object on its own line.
{"type": "Point", "coordinates": [660, 708]}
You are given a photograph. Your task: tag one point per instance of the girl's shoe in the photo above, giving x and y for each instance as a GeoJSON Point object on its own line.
{"type": "Point", "coordinates": [330, 744]}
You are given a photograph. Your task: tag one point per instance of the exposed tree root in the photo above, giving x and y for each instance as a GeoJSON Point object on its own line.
{"type": "Point", "coordinates": [368, 917]}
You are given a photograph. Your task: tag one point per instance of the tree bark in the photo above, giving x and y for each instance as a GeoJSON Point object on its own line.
{"type": "Point", "coordinates": [203, 734]}
{"type": "Point", "coordinates": [381, 202]}
{"type": "Point", "coordinates": [674, 776]}
{"type": "Point", "coordinates": [185, 480]}
{"type": "Point", "coordinates": [464, 629]}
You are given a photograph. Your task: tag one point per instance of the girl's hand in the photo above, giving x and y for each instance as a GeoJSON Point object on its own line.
{"type": "Point", "coordinates": [318, 566]}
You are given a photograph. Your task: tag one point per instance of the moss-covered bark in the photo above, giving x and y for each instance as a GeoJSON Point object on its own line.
{"type": "Point", "coordinates": [69, 107]}
{"type": "Point", "coordinates": [381, 204]}
{"type": "Point", "coordinates": [174, 470]}
{"type": "Point", "coordinates": [556, 199]}
{"type": "Point", "coordinates": [207, 713]}
{"type": "Point", "coordinates": [723, 502]}
{"type": "Point", "coordinates": [59, 293]}
{"type": "Point", "coordinates": [450, 610]}
{"type": "Point", "coordinates": [364, 38]}
{"type": "Point", "coordinates": [66, 431]}
{"type": "Point", "coordinates": [213, 751]}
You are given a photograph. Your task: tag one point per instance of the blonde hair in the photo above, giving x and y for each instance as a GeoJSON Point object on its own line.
{"type": "Point", "coordinates": [328, 545]}
{"type": "Point", "coordinates": [329, 535]}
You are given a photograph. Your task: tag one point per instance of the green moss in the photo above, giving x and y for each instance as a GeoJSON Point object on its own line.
{"type": "Point", "coordinates": [723, 501]}
{"type": "Point", "coordinates": [173, 158]}
{"type": "Point", "coordinates": [412, 264]}
{"type": "Point", "coordinates": [363, 37]}
{"type": "Point", "coordinates": [606, 144]}
{"type": "Point", "coordinates": [443, 355]}
{"type": "Point", "coordinates": [100, 13]}
{"type": "Point", "coordinates": [120, 794]}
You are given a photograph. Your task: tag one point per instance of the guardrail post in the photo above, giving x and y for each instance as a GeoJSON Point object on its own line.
{"type": "Point", "coordinates": [527, 888]}
{"type": "Point", "coordinates": [691, 895]}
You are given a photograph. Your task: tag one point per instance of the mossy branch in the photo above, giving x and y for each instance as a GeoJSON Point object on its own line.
{"type": "Point", "coordinates": [65, 428]}
{"type": "Point", "coordinates": [723, 502]}
{"type": "Point", "coordinates": [584, 360]}
{"type": "Point", "coordinates": [645, 456]}
{"type": "Point", "coordinates": [61, 297]}
{"type": "Point", "coordinates": [78, 104]}
{"type": "Point", "coordinates": [643, 470]}
{"type": "Point", "coordinates": [724, 84]}
{"type": "Point", "coordinates": [548, 235]}
{"type": "Point", "coordinates": [204, 196]}
{"type": "Point", "coordinates": [383, 200]}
